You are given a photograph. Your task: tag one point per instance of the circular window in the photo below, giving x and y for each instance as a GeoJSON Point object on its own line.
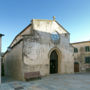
{"type": "Point", "coordinates": [55, 37]}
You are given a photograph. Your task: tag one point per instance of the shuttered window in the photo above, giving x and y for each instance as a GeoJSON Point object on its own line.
{"type": "Point", "coordinates": [87, 48]}
{"type": "Point", "coordinates": [75, 50]}
{"type": "Point", "coordinates": [87, 59]}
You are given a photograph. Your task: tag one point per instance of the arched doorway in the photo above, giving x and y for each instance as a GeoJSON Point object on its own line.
{"type": "Point", "coordinates": [53, 62]}
{"type": "Point", "coordinates": [76, 67]}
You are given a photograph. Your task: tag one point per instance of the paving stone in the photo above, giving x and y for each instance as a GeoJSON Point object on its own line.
{"type": "Point", "coordinates": [52, 82]}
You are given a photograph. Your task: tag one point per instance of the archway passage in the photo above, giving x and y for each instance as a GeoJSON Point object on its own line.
{"type": "Point", "coordinates": [53, 62]}
{"type": "Point", "coordinates": [76, 67]}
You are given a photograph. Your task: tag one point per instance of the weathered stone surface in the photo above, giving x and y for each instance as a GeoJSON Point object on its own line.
{"type": "Point", "coordinates": [13, 62]}
{"type": "Point", "coordinates": [53, 82]}
{"type": "Point", "coordinates": [33, 52]}
{"type": "Point", "coordinates": [81, 54]}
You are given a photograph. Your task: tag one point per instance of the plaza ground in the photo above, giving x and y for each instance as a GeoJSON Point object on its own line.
{"type": "Point", "coordinates": [79, 81]}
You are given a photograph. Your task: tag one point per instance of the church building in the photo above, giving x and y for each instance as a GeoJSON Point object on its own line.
{"type": "Point", "coordinates": [43, 46]}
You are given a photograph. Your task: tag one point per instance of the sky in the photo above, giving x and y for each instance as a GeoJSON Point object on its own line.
{"type": "Point", "coordinates": [73, 15]}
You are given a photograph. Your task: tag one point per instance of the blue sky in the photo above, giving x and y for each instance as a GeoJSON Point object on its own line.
{"type": "Point", "coordinates": [73, 15]}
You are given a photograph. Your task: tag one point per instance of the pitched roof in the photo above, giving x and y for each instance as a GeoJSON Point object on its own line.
{"type": "Point", "coordinates": [30, 25]}
{"type": "Point", "coordinates": [62, 27]}
{"type": "Point", "coordinates": [80, 42]}
{"type": "Point", "coordinates": [51, 21]}
{"type": "Point", "coordinates": [20, 33]}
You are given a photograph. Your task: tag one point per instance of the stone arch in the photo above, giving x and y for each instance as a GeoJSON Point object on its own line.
{"type": "Point", "coordinates": [57, 50]}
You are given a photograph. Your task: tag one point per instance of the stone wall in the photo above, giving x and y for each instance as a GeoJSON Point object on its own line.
{"type": "Point", "coordinates": [13, 62]}
{"type": "Point", "coordinates": [37, 48]}
{"type": "Point", "coordinates": [0, 44]}
{"type": "Point", "coordinates": [33, 53]}
{"type": "Point", "coordinates": [81, 54]}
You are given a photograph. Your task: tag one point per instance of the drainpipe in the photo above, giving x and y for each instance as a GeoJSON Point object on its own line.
{"type": "Point", "coordinates": [0, 56]}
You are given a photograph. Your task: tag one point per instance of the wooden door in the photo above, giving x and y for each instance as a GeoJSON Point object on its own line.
{"type": "Point", "coordinates": [76, 67]}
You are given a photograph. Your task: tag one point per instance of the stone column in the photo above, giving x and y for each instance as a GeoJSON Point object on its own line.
{"type": "Point", "coordinates": [0, 56]}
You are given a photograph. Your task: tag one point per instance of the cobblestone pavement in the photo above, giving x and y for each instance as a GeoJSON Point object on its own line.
{"type": "Point", "coordinates": [52, 82]}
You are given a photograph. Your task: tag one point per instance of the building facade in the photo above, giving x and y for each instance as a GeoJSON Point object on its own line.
{"type": "Point", "coordinates": [44, 46]}
{"type": "Point", "coordinates": [0, 56]}
{"type": "Point", "coordinates": [81, 56]}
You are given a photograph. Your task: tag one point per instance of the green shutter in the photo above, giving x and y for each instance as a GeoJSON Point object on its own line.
{"type": "Point", "coordinates": [87, 48]}
{"type": "Point", "coordinates": [75, 50]}
{"type": "Point", "coordinates": [87, 59]}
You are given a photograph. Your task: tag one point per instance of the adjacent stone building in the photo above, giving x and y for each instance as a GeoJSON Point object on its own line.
{"type": "Point", "coordinates": [44, 46]}
{"type": "Point", "coordinates": [0, 56]}
{"type": "Point", "coordinates": [81, 56]}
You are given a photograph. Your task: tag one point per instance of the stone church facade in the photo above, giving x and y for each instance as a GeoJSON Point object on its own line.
{"type": "Point", "coordinates": [44, 46]}
{"type": "Point", "coordinates": [81, 56]}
